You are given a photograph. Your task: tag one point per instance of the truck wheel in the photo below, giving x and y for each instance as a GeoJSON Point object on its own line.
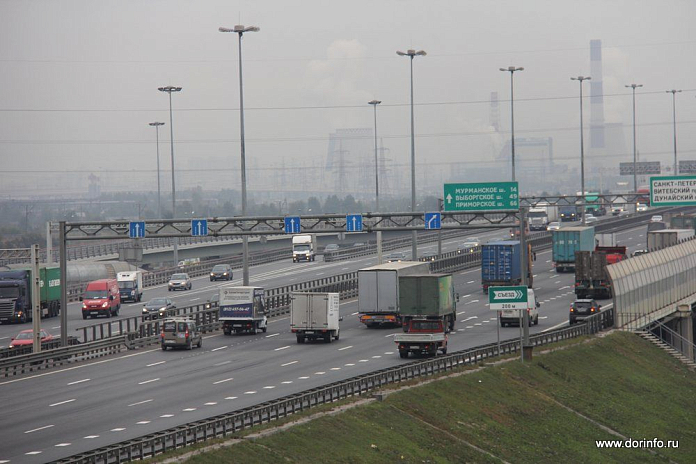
{"type": "Point", "coordinates": [189, 346]}
{"type": "Point", "coordinates": [227, 332]}
{"type": "Point", "coordinates": [200, 342]}
{"type": "Point", "coordinates": [300, 338]}
{"type": "Point", "coordinates": [327, 338]}
{"type": "Point", "coordinates": [264, 329]}
{"type": "Point", "coordinates": [403, 353]}
{"type": "Point", "coordinates": [444, 350]}
{"type": "Point", "coordinates": [337, 335]}
{"type": "Point", "coordinates": [84, 316]}
{"type": "Point", "coordinates": [108, 313]}
{"type": "Point", "coordinates": [536, 320]}
{"type": "Point", "coordinates": [164, 347]}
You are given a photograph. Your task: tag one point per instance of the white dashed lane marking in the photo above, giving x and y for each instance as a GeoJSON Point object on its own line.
{"type": "Point", "coordinates": [62, 402]}
{"type": "Point", "coordinates": [282, 348]}
{"type": "Point", "coordinates": [222, 381]}
{"type": "Point", "coordinates": [40, 428]}
{"type": "Point", "coordinates": [289, 363]}
{"type": "Point", "coordinates": [79, 381]}
{"type": "Point", "coordinates": [140, 402]}
{"type": "Point", "coordinates": [91, 437]}
{"type": "Point", "coordinates": [345, 348]}
{"type": "Point", "coordinates": [155, 364]}
{"type": "Point", "coordinates": [148, 381]}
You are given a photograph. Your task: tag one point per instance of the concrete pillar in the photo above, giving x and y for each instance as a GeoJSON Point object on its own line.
{"type": "Point", "coordinates": [685, 328]}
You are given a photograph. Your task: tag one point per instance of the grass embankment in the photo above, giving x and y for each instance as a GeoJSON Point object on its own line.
{"type": "Point", "coordinates": [512, 412]}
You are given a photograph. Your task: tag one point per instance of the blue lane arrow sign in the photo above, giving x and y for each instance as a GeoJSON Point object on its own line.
{"type": "Point", "coordinates": [432, 221]}
{"type": "Point", "coordinates": [136, 229]}
{"type": "Point", "coordinates": [354, 223]}
{"type": "Point", "coordinates": [292, 224]}
{"type": "Point", "coordinates": [199, 227]}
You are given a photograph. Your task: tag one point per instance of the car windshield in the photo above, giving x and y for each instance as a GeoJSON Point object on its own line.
{"type": "Point", "coordinates": [553, 224]}
{"type": "Point", "coordinates": [157, 302]}
{"type": "Point", "coordinates": [95, 295]}
{"type": "Point", "coordinates": [126, 284]}
{"type": "Point", "coordinates": [9, 292]}
{"type": "Point", "coordinates": [583, 304]}
{"type": "Point", "coordinates": [220, 268]}
{"type": "Point", "coordinates": [471, 240]}
{"type": "Point", "coordinates": [330, 247]}
{"type": "Point", "coordinates": [302, 247]}
{"type": "Point", "coordinates": [179, 277]}
{"type": "Point", "coordinates": [24, 336]}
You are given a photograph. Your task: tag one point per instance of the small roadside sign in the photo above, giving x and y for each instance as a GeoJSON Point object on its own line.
{"type": "Point", "coordinates": [485, 196]}
{"type": "Point", "coordinates": [354, 223]}
{"type": "Point", "coordinates": [501, 298]}
{"type": "Point", "coordinates": [136, 229]}
{"type": "Point", "coordinates": [292, 224]}
{"type": "Point", "coordinates": [199, 227]}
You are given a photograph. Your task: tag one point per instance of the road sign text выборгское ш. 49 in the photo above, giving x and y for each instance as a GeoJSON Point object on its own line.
{"type": "Point", "coordinates": [487, 196]}
{"type": "Point", "coordinates": [673, 191]}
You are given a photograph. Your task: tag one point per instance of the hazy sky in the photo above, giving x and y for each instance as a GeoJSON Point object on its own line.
{"type": "Point", "coordinates": [79, 81]}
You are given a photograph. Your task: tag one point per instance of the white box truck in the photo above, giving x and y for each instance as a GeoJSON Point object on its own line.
{"type": "Point", "coordinates": [314, 316]}
{"type": "Point", "coordinates": [605, 240]}
{"type": "Point", "coordinates": [130, 285]}
{"type": "Point", "coordinates": [304, 247]}
{"type": "Point", "coordinates": [242, 309]}
{"type": "Point", "coordinates": [378, 291]}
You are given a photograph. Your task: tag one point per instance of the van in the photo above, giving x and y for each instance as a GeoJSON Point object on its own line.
{"type": "Point", "coordinates": [180, 332]}
{"type": "Point", "coordinates": [101, 297]}
{"type": "Point", "coordinates": [512, 316]}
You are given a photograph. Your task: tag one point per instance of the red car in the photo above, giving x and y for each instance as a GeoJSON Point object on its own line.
{"type": "Point", "coordinates": [26, 338]}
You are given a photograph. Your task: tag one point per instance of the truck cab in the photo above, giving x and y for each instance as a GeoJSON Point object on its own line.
{"type": "Point", "coordinates": [101, 297]}
{"type": "Point", "coordinates": [242, 310]}
{"type": "Point", "coordinates": [423, 336]}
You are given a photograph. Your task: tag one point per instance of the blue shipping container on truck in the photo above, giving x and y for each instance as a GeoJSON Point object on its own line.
{"type": "Point", "coordinates": [500, 263]}
{"type": "Point", "coordinates": [568, 240]}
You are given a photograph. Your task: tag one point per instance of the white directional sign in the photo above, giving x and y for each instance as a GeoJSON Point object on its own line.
{"type": "Point", "coordinates": [433, 221]}
{"type": "Point", "coordinates": [500, 298]}
{"type": "Point", "coordinates": [292, 224]}
{"type": "Point", "coordinates": [673, 191]}
{"type": "Point", "coordinates": [199, 227]}
{"type": "Point", "coordinates": [136, 229]}
{"type": "Point", "coordinates": [354, 223]}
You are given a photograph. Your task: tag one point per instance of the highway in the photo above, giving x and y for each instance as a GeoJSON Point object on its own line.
{"type": "Point", "coordinates": [65, 411]}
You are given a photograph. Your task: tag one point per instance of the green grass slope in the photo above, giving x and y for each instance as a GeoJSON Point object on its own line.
{"type": "Point", "coordinates": [550, 410]}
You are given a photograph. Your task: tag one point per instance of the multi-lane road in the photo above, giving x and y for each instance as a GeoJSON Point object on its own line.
{"type": "Point", "coordinates": [64, 411]}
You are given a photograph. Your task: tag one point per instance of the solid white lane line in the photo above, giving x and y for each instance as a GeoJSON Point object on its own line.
{"type": "Point", "coordinates": [272, 335]}
{"type": "Point", "coordinates": [282, 348]}
{"type": "Point", "coordinates": [155, 364]}
{"type": "Point", "coordinates": [556, 326]}
{"type": "Point", "coordinates": [289, 363]}
{"type": "Point", "coordinates": [148, 381]}
{"type": "Point", "coordinates": [345, 348]}
{"type": "Point", "coordinates": [40, 428]}
{"type": "Point", "coordinates": [218, 349]}
{"type": "Point", "coordinates": [62, 402]}
{"type": "Point", "coordinates": [79, 381]}
{"type": "Point", "coordinates": [222, 381]}
{"type": "Point", "coordinates": [140, 402]}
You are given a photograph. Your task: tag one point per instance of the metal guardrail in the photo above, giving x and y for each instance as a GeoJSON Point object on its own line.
{"type": "Point", "coordinates": [226, 424]}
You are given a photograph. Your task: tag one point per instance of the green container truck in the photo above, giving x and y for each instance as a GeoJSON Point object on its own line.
{"type": "Point", "coordinates": [16, 297]}
{"type": "Point", "coordinates": [428, 296]}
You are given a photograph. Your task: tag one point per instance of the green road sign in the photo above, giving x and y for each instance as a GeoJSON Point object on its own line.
{"type": "Point", "coordinates": [673, 191]}
{"type": "Point", "coordinates": [487, 196]}
{"type": "Point", "coordinates": [501, 298]}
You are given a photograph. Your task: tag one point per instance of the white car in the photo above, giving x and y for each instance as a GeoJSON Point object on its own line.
{"type": "Point", "coordinates": [656, 218]}
{"type": "Point", "coordinates": [512, 316]}
{"type": "Point", "coordinates": [640, 207]}
{"type": "Point", "coordinates": [589, 219]}
{"type": "Point", "coordinates": [553, 226]}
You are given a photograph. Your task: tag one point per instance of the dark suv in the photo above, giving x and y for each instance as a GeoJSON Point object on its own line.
{"type": "Point", "coordinates": [180, 332]}
{"type": "Point", "coordinates": [582, 309]}
{"type": "Point", "coordinates": [221, 272]}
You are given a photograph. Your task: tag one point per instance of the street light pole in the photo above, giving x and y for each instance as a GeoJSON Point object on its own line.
{"type": "Point", "coordinates": [159, 190]}
{"type": "Point", "coordinates": [169, 89]}
{"type": "Point", "coordinates": [414, 237]}
{"type": "Point", "coordinates": [240, 30]}
{"type": "Point", "coordinates": [635, 156]}
{"type": "Point", "coordinates": [374, 104]}
{"type": "Point", "coordinates": [582, 146]}
{"type": "Point", "coordinates": [512, 70]}
{"type": "Point", "coordinates": [674, 125]}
